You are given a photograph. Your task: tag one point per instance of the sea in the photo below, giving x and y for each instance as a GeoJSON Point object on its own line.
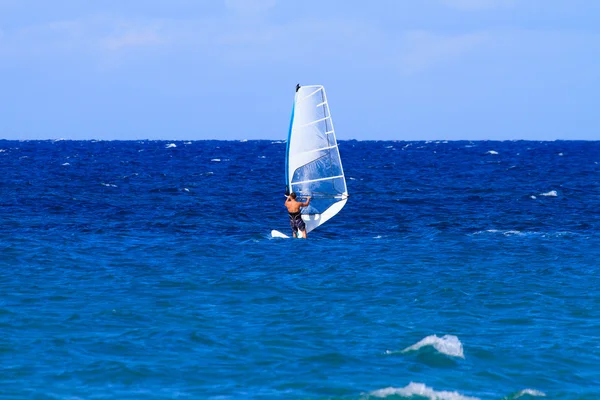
{"type": "Point", "coordinates": [457, 270]}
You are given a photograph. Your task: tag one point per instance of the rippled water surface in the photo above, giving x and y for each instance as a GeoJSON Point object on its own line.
{"type": "Point", "coordinates": [457, 270]}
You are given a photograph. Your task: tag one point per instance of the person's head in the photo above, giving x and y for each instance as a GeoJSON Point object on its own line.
{"type": "Point", "coordinates": [293, 195]}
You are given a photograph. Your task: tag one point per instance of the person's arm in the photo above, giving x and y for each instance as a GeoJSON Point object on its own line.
{"type": "Point", "coordinates": [288, 198]}
{"type": "Point", "coordinates": [307, 202]}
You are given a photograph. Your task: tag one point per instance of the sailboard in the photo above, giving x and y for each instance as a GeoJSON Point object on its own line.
{"type": "Point", "coordinates": [313, 164]}
{"type": "Point", "coordinates": [277, 234]}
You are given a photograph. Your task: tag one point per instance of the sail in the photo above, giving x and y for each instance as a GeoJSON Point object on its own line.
{"type": "Point", "coordinates": [314, 167]}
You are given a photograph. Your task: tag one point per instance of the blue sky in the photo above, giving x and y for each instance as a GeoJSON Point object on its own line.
{"type": "Point", "coordinates": [226, 69]}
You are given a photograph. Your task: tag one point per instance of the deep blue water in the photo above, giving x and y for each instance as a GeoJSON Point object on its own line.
{"type": "Point", "coordinates": [146, 270]}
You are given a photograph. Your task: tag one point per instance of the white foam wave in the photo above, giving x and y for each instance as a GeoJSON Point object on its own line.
{"type": "Point", "coordinates": [560, 154]}
{"type": "Point", "coordinates": [216, 159]}
{"type": "Point", "coordinates": [2, 150]}
{"type": "Point", "coordinates": [188, 143]}
{"type": "Point", "coordinates": [557, 234]}
{"type": "Point", "coordinates": [262, 157]}
{"type": "Point", "coordinates": [186, 189]}
{"type": "Point", "coordinates": [512, 233]}
{"type": "Point", "coordinates": [66, 164]}
{"type": "Point", "coordinates": [505, 233]}
{"type": "Point", "coordinates": [551, 193]}
{"type": "Point", "coordinates": [170, 146]}
{"type": "Point", "coordinates": [278, 142]}
{"type": "Point", "coordinates": [447, 344]}
{"type": "Point", "coordinates": [108, 185]}
{"type": "Point", "coordinates": [487, 231]}
{"type": "Point", "coordinates": [530, 392]}
{"type": "Point", "coordinates": [533, 197]}
{"type": "Point", "coordinates": [244, 140]}
{"type": "Point", "coordinates": [492, 152]}
{"type": "Point", "coordinates": [419, 389]}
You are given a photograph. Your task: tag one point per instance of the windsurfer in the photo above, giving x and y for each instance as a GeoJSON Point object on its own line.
{"type": "Point", "coordinates": [295, 214]}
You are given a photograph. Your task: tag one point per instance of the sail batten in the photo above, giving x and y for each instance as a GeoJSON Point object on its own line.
{"type": "Point", "coordinates": [314, 167]}
{"type": "Point", "coordinates": [313, 93]}
{"type": "Point", "coordinates": [323, 148]}
{"type": "Point", "coordinates": [318, 180]}
{"type": "Point", "coordinates": [314, 122]}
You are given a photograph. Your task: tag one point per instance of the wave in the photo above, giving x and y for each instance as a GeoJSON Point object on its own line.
{"type": "Point", "coordinates": [447, 344]}
{"type": "Point", "coordinates": [170, 146]}
{"type": "Point", "coordinates": [514, 232]}
{"type": "Point", "coordinates": [525, 392]}
{"type": "Point", "coordinates": [551, 193]}
{"type": "Point", "coordinates": [511, 232]}
{"type": "Point", "coordinates": [492, 152]}
{"type": "Point", "coordinates": [419, 389]}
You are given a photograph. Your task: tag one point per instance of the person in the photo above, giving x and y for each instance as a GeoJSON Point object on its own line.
{"type": "Point", "coordinates": [296, 221]}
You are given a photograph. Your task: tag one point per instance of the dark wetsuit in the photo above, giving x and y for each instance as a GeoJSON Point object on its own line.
{"type": "Point", "coordinates": [296, 222]}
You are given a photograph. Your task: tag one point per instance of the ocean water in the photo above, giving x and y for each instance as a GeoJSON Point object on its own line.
{"type": "Point", "coordinates": [146, 270]}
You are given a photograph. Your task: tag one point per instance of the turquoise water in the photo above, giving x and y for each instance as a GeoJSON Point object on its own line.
{"type": "Point", "coordinates": [459, 270]}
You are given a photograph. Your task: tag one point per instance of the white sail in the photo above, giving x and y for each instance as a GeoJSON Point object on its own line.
{"type": "Point", "coordinates": [314, 167]}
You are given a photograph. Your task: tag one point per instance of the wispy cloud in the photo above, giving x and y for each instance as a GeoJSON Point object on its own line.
{"type": "Point", "coordinates": [476, 5]}
{"type": "Point", "coordinates": [133, 38]}
{"type": "Point", "coordinates": [85, 36]}
{"type": "Point", "coordinates": [250, 6]}
{"type": "Point", "coordinates": [421, 50]}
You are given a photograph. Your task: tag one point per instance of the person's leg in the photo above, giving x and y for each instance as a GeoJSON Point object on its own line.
{"type": "Point", "coordinates": [302, 229]}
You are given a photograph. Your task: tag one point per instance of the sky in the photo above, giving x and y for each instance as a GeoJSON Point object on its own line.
{"type": "Point", "coordinates": [227, 69]}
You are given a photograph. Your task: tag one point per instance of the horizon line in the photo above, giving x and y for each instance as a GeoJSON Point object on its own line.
{"type": "Point", "coordinates": [285, 141]}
